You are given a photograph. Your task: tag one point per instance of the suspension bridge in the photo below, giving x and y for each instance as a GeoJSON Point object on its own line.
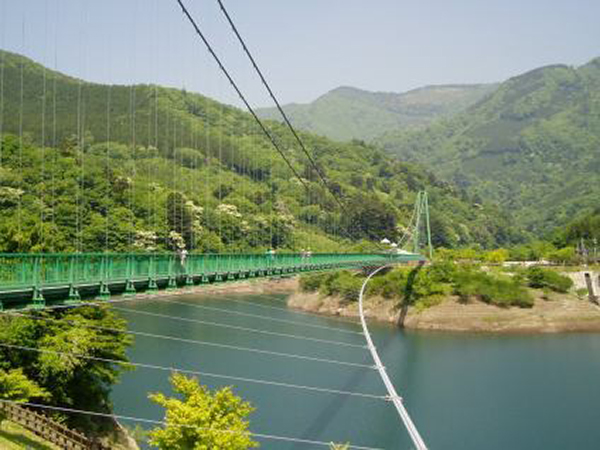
{"type": "Point", "coordinates": [34, 281]}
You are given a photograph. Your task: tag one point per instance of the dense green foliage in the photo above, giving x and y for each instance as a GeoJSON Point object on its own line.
{"type": "Point", "coordinates": [59, 367]}
{"type": "Point", "coordinates": [497, 290]}
{"type": "Point", "coordinates": [152, 168]}
{"type": "Point", "coordinates": [202, 419]}
{"type": "Point", "coordinates": [425, 286]}
{"type": "Point", "coordinates": [533, 146]}
{"type": "Point", "coordinates": [16, 387]}
{"type": "Point", "coordinates": [541, 278]}
{"type": "Point", "coordinates": [348, 113]}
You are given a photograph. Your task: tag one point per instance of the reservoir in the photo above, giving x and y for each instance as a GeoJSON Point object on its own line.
{"type": "Point", "coordinates": [463, 391]}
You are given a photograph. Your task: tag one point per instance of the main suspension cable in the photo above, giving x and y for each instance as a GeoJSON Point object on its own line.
{"type": "Point", "coordinates": [281, 110]}
{"type": "Point", "coordinates": [239, 92]}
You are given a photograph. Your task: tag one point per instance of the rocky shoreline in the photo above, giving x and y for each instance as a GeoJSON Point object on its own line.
{"type": "Point", "coordinates": [565, 313]}
{"type": "Point", "coordinates": [562, 313]}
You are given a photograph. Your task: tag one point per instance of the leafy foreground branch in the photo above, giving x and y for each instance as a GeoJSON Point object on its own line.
{"type": "Point", "coordinates": [202, 419]}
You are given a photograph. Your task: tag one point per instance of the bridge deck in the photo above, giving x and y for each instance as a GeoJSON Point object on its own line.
{"type": "Point", "coordinates": [32, 280]}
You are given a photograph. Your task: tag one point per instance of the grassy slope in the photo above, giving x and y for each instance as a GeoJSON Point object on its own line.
{"type": "Point", "coordinates": [348, 113]}
{"type": "Point", "coordinates": [533, 146]}
{"type": "Point", "coordinates": [15, 437]}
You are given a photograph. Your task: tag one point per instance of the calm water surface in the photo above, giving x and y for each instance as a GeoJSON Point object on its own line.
{"type": "Point", "coordinates": [463, 391]}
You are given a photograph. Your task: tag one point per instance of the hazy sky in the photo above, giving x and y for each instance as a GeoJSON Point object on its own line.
{"type": "Point", "coordinates": [305, 47]}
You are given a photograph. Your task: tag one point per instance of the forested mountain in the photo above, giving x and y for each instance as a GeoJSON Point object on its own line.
{"type": "Point", "coordinates": [348, 113]}
{"type": "Point", "coordinates": [141, 167]}
{"type": "Point", "coordinates": [533, 146]}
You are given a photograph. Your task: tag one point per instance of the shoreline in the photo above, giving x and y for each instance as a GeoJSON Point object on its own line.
{"type": "Point", "coordinates": [562, 314]}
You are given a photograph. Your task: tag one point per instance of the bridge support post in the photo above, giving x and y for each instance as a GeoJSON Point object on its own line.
{"type": "Point", "coordinates": [74, 296]}
{"type": "Point", "coordinates": [104, 293]}
{"type": "Point", "coordinates": [171, 283]}
{"type": "Point", "coordinates": [129, 288]}
{"type": "Point", "coordinates": [189, 281]}
{"type": "Point", "coordinates": [38, 298]}
{"type": "Point", "coordinates": [152, 286]}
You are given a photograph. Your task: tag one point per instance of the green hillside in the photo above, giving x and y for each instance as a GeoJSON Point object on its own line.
{"type": "Point", "coordinates": [151, 166]}
{"type": "Point", "coordinates": [348, 113]}
{"type": "Point", "coordinates": [533, 146]}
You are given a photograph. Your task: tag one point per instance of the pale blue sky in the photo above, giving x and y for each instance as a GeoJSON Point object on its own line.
{"type": "Point", "coordinates": [306, 47]}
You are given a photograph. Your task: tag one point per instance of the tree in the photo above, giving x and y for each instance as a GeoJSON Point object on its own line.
{"type": "Point", "coordinates": [497, 256]}
{"type": "Point", "coordinates": [369, 217]}
{"type": "Point", "coordinates": [202, 419]}
{"type": "Point", "coordinates": [179, 217]}
{"type": "Point", "coordinates": [61, 366]}
{"type": "Point", "coordinates": [15, 386]}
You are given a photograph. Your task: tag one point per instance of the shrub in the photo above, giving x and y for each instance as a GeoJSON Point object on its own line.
{"type": "Point", "coordinates": [443, 272]}
{"type": "Point", "coordinates": [538, 277]}
{"type": "Point", "coordinates": [311, 282]}
{"type": "Point", "coordinates": [496, 291]}
{"type": "Point", "coordinates": [389, 285]}
{"type": "Point", "coordinates": [346, 285]}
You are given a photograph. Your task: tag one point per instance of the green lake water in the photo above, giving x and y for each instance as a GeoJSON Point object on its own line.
{"type": "Point", "coordinates": [463, 391]}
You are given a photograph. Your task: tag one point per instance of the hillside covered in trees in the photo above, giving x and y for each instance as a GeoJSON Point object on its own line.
{"type": "Point", "coordinates": [532, 147]}
{"type": "Point", "coordinates": [100, 167]}
{"type": "Point", "coordinates": [347, 113]}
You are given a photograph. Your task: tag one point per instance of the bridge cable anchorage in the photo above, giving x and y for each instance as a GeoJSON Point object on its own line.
{"type": "Point", "coordinates": [258, 316]}
{"type": "Point", "coordinates": [181, 425]}
{"type": "Point", "coordinates": [239, 92]}
{"type": "Point", "coordinates": [281, 110]}
{"type": "Point", "coordinates": [279, 308]}
{"type": "Point", "coordinates": [199, 342]}
{"type": "Point", "coordinates": [204, 374]}
{"type": "Point", "coordinates": [240, 328]}
{"type": "Point", "coordinates": [393, 395]}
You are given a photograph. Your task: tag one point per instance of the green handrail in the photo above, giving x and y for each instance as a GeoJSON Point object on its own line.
{"type": "Point", "coordinates": [42, 270]}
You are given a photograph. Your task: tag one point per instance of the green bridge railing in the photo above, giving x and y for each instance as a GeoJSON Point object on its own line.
{"type": "Point", "coordinates": [30, 279]}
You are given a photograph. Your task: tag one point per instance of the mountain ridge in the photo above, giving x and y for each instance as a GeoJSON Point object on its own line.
{"type": "Point", "coordinates": [179, 162]}
{"type": "Point", "coordinates": [347, 112]}
{"type": "Point", "coordinates": [532, 146]}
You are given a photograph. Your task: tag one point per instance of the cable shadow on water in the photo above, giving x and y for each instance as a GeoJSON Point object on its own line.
{"type": "Point", "coordinates": [322, 421]}
{"type": "Point", "coordinates": [326, 415]}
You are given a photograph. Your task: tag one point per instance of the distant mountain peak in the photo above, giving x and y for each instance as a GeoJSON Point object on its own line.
{"type": "Point", "coordinates": [347, 112]}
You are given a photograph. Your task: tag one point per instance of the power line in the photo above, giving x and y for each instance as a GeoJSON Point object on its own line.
{"type": "Point", "coordinates": [239, 92]}
{"type": "Point", "coordinates": [200, 373]}
{"type": "Point", "coordinates": [181, 425]}
{"type": "Point", "coordinates": [200, 342]}
{"type": "Point", "coordinates": [236, 327]}
{"type": "Point", "coordinates": [272, 95]}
